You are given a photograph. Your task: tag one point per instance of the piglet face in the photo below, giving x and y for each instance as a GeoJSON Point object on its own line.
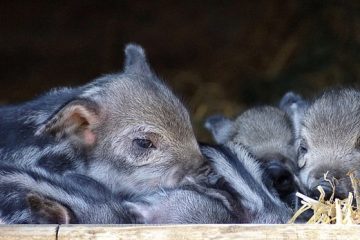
{"type": "Point", "coordinates": [329, 142]}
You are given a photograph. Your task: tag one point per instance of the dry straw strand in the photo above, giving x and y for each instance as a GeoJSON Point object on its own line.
{"type": "Point", "coordinates": [333, 210]}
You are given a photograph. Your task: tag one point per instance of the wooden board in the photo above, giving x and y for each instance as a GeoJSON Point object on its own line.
{"type": "Point", "coordinates": [177, 232]}
{"type": "Point", "coordinates": [28, 232]}
{"type": "Point", "coordinates": [184, 232]}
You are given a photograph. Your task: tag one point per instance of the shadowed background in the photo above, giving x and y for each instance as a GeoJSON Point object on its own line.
{"type": "Point", "coordinates": [218, 56]}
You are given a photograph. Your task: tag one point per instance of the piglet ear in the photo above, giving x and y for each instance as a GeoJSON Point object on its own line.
{"type": "Point", "coordinates": [75, 120]}
{"type": "Point", "coordinates": [46, 211]}
{"type": "Point", "coordinates": [291, 102]}
{"type": "Point", "coordinates": [135, 60]}
{"type": "Point", "coordinates": [220, 127]}
{"type": "Point", "coordinates": [295, 106]}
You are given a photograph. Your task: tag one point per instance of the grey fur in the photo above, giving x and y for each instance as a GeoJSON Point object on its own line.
{"type": "Point", "coordinates": [295, 106]}
{"type": "Point", "coordinates": [245, 175]}
{"type": "Point", "coordinates": [93, 129]}
{"type": "Point", "coordinates": [329, 141]}
{"type": "Point", "coordinates": [267, 133]}
{"type": "Point", "coordinates": [73, 198]}
{"type": "Point", "coordinates": [264, 130]}
{"type": "Point", "coordinates": [180, 206]}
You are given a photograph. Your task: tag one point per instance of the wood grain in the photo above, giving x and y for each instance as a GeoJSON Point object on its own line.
{"type": "Point", "coordinates": [195, 232]}
{"type": "Point", "coordinates": [28, 232]}
{"type": "Point", "coordinates": [179, 232]}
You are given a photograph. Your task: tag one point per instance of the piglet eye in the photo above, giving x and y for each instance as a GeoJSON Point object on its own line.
{"type": "Point", "coordinates": [303, 148]}
{"type": "Point", "coordinates": [357, 144]}
{"type": "Point", "coordinates": [144, 143]}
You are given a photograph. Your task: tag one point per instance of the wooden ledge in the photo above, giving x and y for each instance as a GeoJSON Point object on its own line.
{"type": "Point", "coordinates": [177, 232]}
{"type": "Point", "coordinates": [25, 232]}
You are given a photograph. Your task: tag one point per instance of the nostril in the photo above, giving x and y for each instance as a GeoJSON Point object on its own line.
{"type": "Point", "coordinates": [284, 184]}
{"type": "Point", "coordinates": [284, 179]}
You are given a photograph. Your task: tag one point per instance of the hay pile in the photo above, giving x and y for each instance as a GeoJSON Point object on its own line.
{"type": "Point", "coordinates": [332, 211]}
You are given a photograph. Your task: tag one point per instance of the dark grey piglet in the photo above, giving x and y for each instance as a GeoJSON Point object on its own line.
{"type": "Point", "coordinates": [246, 182]}
{"type": "Point", "coordinates": [267, 133]}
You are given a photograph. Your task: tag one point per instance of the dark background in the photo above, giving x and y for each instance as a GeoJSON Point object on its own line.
{"type": "Point", "coordinates": [219, 56]}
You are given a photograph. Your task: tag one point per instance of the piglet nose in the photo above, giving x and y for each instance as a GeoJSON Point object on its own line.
{"type": "Point", "coordinates": [283, 180]}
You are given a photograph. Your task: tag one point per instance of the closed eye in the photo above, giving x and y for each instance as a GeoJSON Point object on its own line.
{"type": "Point", "coordinates": [357, 143]}
{"type": "Point", "coordinates": [144, 143]}
{"type": "Point", "coordinates": [303, 148]}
